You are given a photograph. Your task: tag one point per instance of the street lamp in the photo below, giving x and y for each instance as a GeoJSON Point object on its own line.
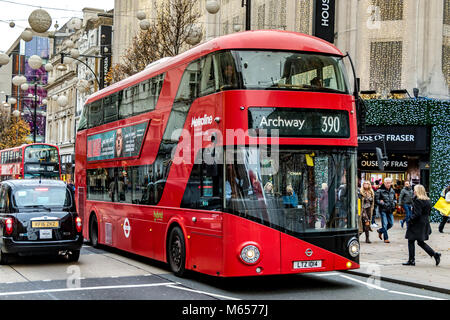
{"type": "Point", "coordinates": [62, 67]}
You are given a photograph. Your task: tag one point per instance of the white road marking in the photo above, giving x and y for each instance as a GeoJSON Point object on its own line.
{"type": "Point", "coordinates": [364, 283]}
{"type": "Point", "coordinates": [326, 274]}
{"type": "Point", "coordinates": [415, 295]}
{"type": "Point", "coordinates": [391, 291]}
{"type": "Point", "coordinates": [203, 292]}
{"type": "Point", "coordinates": [85, 289]}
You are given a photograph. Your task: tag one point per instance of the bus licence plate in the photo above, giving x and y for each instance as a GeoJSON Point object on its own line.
{"type": "Point", "coordinates": [307, 264]}
{"type": "Point", "coordinates": [45, 224]}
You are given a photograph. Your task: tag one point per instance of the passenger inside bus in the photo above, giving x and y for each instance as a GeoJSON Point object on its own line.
{"type": "Point", "coordinates": [229, 78]}
{"type": "Point", "coordinates": [316, 82]}
{"type": "Point", "coordinates": [290, 200]}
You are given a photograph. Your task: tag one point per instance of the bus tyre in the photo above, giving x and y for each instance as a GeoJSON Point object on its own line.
{"type": "Point", "coordinates": [93, 231]}
{"type": "Point", "coordinates": [177, 252]}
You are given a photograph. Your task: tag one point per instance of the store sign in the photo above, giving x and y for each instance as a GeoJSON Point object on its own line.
{"type": "Point", "coordinates": [296, 122]}
{"type": "Point", "coordinates": [119, 143]}
{"type": "Point", "coordinates": [368, 162]}
{"type": "Point", "coordinates": [105, 51]}
{"type": "Point", "coordinates": [407, 139]}
{"type": "Point", "coordinates": [324, 12]}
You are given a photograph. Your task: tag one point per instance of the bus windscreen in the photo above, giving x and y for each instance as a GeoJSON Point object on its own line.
{"type": "Point", "coordinates": [278, 70]}
{"type": "Point", "coordinates": [41, 161]}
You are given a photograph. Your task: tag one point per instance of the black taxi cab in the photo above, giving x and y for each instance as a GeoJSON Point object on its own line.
{"type": "Point", "coordinates": [38, 217]}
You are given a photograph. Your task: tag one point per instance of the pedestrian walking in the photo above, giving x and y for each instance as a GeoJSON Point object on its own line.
{"type": "Point", "coordinates": [446, 195]}
{"type": "Point", "coordinates": [367, 204]}
{"type": "Point", "coordinates": [376, 213]}
{"type": "Point", "coordinates": [385, 199]}
{"type": "Point", "coordinates": [419, 227]}
{"type": "Point", "coordinates": [405, 200]}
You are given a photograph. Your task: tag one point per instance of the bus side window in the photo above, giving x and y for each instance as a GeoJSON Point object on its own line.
{"type": "Point", "coordinates": [82, 125]}
{"type": "Point", "coordinates": [189, 86]}
{"type": "Point", "coordinates": [95, 117]}
{"type": "Point", "coordinates": [110, 108]}
{"type": "Point", "coordinates": [157, 83]}
{"type": "Point", "coordinates": [207, 82]}
{"type": "Point", "coordinates": [204, 188]}
{"type": "Point", "coordinates": [126, 106]}
{"type": "Point", "coordinates": [141, 97]}
{"type": "Point", "coordinates": [227, 74]}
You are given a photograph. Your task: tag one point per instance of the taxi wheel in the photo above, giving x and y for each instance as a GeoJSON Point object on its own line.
{"type": "Point", "coordinates": [4, 258]}
{"type": "Point", "coordinates": [177, 252]}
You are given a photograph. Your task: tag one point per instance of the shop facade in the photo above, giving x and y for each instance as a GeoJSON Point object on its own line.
{"type": "Point", "coordinates": [417, 138]}
{"type": "Point", "coordinates": [407, 149]}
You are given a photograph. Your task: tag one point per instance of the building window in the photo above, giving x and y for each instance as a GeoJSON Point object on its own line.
{"type": "Point", "coordinates": [225, 28]}
{"type": "Point", "coordinates": [304, 16]}
{"type": "Point", "coordinates": [261, 16]}
{"type": "Point", "coordinates": [385, 66]}
{"type": "Point", "coordinates": [389, 9]}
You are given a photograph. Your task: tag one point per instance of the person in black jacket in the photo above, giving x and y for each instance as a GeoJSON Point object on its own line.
{"type": "Point", "coordinates": [419, 227]}
{"type": "Point", "coordinates": [385, 200]}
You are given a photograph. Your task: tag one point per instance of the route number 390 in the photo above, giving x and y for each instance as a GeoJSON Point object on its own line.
{"type": "Point", "coordinates": [331, 124]}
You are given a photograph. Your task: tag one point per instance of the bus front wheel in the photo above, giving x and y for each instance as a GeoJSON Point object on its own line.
{"type": "Point", "coordinates": [177, 252]}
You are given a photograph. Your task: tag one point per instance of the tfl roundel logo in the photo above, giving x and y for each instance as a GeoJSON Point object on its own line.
{"type": "Point", "coordinates": [309, 252]}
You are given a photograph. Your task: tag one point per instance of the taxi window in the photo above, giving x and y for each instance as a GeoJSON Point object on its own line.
{"type": "Point", "coordinates": [42, 196]}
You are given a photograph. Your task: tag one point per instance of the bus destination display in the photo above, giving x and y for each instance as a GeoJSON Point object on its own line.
{"type": "Point", "coordinates": [296, 122]}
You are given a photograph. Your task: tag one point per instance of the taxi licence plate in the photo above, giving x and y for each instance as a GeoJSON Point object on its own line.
{"type": "Point", "coordinates": [45, 224]}
{"type": "Point", "coordinates": [308, 264]}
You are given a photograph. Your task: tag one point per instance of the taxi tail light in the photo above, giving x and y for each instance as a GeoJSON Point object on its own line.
{"type": "Point", "coordinates": [78, 224]}
{"type": "Point", "coordinates": [9, 226]}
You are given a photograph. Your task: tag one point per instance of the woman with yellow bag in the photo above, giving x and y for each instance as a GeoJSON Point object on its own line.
{"type": "Point", "coordinates": [443, 206]}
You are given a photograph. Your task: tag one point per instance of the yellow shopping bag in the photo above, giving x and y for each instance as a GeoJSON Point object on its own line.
{"type": "Point", "coordinates": [442, 206]}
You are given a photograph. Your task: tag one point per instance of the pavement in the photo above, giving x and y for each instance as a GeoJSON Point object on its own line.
{"type": "Point", "coordinates": [384, 261]}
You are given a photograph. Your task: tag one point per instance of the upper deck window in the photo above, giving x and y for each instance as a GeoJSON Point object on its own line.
{"type": "Point", "coordinates": [41, 153]}
{"type": "Point", "coordinates": [128, 102]}
{"type": "Point", "coordinates": [274, 70]}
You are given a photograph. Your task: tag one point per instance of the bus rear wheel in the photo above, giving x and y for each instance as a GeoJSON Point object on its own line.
{"type": "Point", "coordinates": [177, 252]}
{"type": "Point", "coordinates": [93, 231]}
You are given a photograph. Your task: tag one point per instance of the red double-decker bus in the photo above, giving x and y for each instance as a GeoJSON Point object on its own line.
{"type": "Point", "coordinates": [234, 158]}
{"type": "Point", "coordinates": [30, 161]}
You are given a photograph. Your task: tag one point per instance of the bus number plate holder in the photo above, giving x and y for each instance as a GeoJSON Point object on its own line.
{"type": "Point", "coordinates": [310, 264]}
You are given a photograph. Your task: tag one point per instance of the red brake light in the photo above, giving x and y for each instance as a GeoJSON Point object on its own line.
{"type": "Point", "coordinates": [78, 224]}
{"type": "Point", "coordinates": [9, 226]}
{"type": "Point", "coordinates": [41, 189]}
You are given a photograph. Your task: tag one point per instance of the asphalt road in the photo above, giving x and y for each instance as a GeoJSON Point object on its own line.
{"type": "Point", "coordinates": [108, 274]}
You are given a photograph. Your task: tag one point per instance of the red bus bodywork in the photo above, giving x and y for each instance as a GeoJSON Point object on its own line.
{"type": "Point", "coordinates": [14, 168]}
{"type": "Point", "coordinates": [213, 240]}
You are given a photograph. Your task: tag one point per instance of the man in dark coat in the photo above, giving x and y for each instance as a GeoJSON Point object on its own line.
{"type": "Point", "coordinates": [385, 200]}
{"type": "Point", "coordinates": [419, 226]}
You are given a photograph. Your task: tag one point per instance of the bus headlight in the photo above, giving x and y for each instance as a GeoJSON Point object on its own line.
{"type": "Point", "coordinates": [353, 247]}
{"type": "Point", "coordinates": [250, 254]}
